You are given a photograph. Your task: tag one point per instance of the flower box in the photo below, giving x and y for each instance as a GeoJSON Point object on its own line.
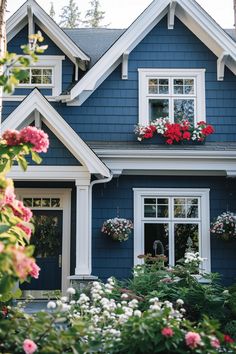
{"type": "Point", "coordinates": [174, 133]}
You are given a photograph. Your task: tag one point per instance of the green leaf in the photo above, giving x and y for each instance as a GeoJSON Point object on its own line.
{"type": "Point", "coordinates": [4, 228]}
{"type": "Point", "coordinates": [35, 157]}
{"type": "Point", "coordinates": [22, 162]}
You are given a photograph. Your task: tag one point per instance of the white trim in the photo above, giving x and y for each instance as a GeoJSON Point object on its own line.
{"type": "Point", "coordinates": [189, 12]}
{"type": "Point", "coordinates": [53, 120]}
{"type": "Point", "coordinates": [221, 61]}
{"type": "Point", "coordinates": [53, 62]}
{"type": "Point", "coordinates": [65, 197]}
{"type": "Point", "coordinates": [171, 15]}
{"type": "Point", "coordinates": [125, 68]}
{"type": "Point", "coordinates": [19, 19]}
{"type": "Point", "coordinates": [169, 161]}
{"type": "Point", "coordinates": [204, 241]}
{"type": "Point", "coordinates": [199, 96]}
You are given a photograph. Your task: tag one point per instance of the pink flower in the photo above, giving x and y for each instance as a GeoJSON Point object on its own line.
{"type": "Point", "coordinates": [34, 272]}
{"type": "Point", "coordinates": [1, 246]}
{"type": "Point", "coordinates": [192, 339]}
{"type": "Point", "coordinates": [21, 211]}
{"type": "Point", "coordinates": [36, 137]}
{"type": "Point", "coordinates": [26, 230]}
{"type": "Point", "coordinates": [167, 332]}
{"type": "Point", "coordinates": [215, 343]}
{"type": "Point", "coordinates": [29, 346]}
{"type": "Point", "coordinates": [12, 137]}
{"type": "Point", "coordinates": [9, 195]}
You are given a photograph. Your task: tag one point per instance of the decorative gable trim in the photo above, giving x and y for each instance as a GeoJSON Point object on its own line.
{"type": "Point", "coordinates": [189, 12]}
{"type": "Point", "coordinates": [20, 18]}
{"type": "Point", "coordinates": [53, 120]}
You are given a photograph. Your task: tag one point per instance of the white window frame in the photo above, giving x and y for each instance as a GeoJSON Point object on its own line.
{"type": "Point", "coordinates": [139, 221]}
{"type": "Point", "coordinates": [53, 62]}
{"type": "Point", "coordinates": [199, 96]}
{"type": "Point", "coordinates": [30, 84]}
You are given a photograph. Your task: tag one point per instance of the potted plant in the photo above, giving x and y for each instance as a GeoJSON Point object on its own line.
{"type": "Point", "coordinates": [118, 229]}
{"type": "Point", "coordinates": [224, 226]}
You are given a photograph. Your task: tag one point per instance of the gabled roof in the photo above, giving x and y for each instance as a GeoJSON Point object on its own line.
{"type": "Point", "coordinates": [20, 18]}
{"type": "Point", "coordinates": [188, 11]}
{"type": "Point", "coordinates": [36, 101]}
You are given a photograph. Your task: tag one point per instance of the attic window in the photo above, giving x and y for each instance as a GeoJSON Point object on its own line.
{"type": "Point", "coordinates": [47, 73]}
{"type": "Point", "coordinates": [174, 93]}
{"type": "Point", "coordinates": [38, 76]}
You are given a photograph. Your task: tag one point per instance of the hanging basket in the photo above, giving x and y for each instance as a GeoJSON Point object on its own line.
{"type": "Point", "coordinates": [224, 226]}
{"type": "Point", "coordinates": [118, 229]}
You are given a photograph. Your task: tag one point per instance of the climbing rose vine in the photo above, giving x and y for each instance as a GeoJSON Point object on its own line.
{"type": "Point", "coordinates": [174, 132]}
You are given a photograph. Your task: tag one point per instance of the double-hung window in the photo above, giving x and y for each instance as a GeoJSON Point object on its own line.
{"type": "Point", "coordinates": [174, 93]}
{"type": "Point", "coordinates": [179, 218]}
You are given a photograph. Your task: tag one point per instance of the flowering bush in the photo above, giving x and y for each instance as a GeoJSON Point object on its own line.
{"type": "Point", "coordinates": [225, 226]}
{"type": "Point", "coordinates": [174, 132]}
{"type": "Point", "coordinates": [16, 261]}
{"type": "Point", "coordinates": [119, 229]}
{"type": "Point", "coordinates": [102, 322]}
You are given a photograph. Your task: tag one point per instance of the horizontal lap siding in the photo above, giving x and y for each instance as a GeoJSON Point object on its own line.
{"type": "Point", "coordinates": [114, 258]}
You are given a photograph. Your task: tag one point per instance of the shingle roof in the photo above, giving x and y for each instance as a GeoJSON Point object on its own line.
{"type": "Point", "coordinates": [231, 32]}
{"type": "Point", "coordinates": [94, 41]}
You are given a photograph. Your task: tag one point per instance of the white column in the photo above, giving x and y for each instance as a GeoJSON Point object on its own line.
{"type": "Point", "coordinates": [83, 241]}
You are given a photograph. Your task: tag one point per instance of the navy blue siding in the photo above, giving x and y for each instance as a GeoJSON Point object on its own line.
{"type": "Point", "coordinates": [67, 66]}
{"type": "Point", "coordinates": [57, 153]}
{"type": "Point", "coordinates": [114, 258]}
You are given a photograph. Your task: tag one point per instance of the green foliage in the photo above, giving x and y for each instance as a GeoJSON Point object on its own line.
{"type": "Point", "coordinates": [230, 329]}
{"type": "Point", "coordinates": [70, 15]}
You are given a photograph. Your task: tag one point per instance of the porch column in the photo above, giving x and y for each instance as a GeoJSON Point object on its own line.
{"type": "Point", "coordinates": [83, 242]}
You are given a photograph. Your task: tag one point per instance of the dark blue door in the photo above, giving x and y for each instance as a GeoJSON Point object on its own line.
{"type": "Point", "coordinates": [47, 240]}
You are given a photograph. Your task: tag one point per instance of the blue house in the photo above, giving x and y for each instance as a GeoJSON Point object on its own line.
{"type": "Point", "coordinates": [88, 91]}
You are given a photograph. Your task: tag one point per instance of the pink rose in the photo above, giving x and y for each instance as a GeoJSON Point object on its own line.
{"type": "Point", "coordinates": [167, 332]}
{"type": "Point", "coordinates": [12, 137]}
{"type": "Point", "coordinates": [34, 272]}
{"type": "Point", "coordinates": [26, 230]}
{"type": "Point", "coordinates": [21, 211]}
{"type": "Point", "coordinates": [29, 346]}
{"type": "Point", "coordinates": [192, 339]}
{"type": "Point", "coordinates": [215, 343]}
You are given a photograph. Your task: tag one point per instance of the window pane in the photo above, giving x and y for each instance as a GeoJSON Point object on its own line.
{"type": "Point", "coordinates": [153, 232]}
{"type": "Point", "coordinates": [163, 90]}
{"type": "Point", "coordinates": [189, 90]}
{"type": "Point", "coordinates": [46, 202]}
{"type": "Point", "coordinates": [27, 202]}
{"type": "Point", "coordinates": [186, 239]}
{"type": "Point", "coordinates": [162, 211]}
{"type": "Point", "coordinates": [150, 201]}
{"type": "Point", "coordinates": [47, 72]}
{"type": "Point", "coordinates": [55, 202]}
{"type": "Point", "coordinates": [47, 80]}
{"type": "Point", "coordinates": [153, 86]}
{"type": "Point", "coordinates": [36, 202]}
{"type": "Point", "coordinates": [36, 79]}
{"type": "Point", "coordinates": [164, 82]}
{"type": "Point", "coordinates": [192, 208]}
{"type": "Point", "coordinates": [36, 71]}
{"type": "Point", "coordinates": [162, 201]}
{"type": "Point", "coordinates": [178, 90]}
{"type": "Point", "coordinates": [150, 211]}
{"type": "Point", "coordinates": [183, 109]}
{"type": "Point", "coordinates": [179, 211]}
{"type": "Point", "coordinates": [158, 108]}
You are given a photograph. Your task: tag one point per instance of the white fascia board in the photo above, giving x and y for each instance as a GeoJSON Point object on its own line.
{"type": "Point", "coordinates": [173, 161]}
{"type": "Point", "coordinates": [132, 36]}
{"type": "Point", "coordinates": [193, 11]}
{"type": "Point", "coordinates": [48, 25]}
{"type": "Point", "coordinates": [81, 151]}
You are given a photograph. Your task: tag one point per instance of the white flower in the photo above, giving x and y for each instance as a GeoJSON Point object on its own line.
{"type": "Point", "coordinates": [51, 305]}
{"type": "Point", "coordinates": [137, 313]}
{"type": "Point", "coordinates": [180, 302]}
{"type": "Point", "coordinates": [71, 291]}
{"type": "Point", "coordinates": [64, 299]}
{"type": "Point", "coordinates": [124, 296]}
{"type": "Point", "coordinates": [65, 307]}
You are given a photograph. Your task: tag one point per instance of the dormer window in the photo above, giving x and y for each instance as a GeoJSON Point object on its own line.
{"type": "Point", "coordinates": [38, 76]}
{"type": "Point", "coordinates": [174, 93]}
{"type": "Point", "coordinates": [45, 73]}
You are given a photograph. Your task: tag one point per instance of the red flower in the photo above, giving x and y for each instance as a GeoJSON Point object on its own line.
{"type": "Point", "coordinates": [228, 339]}
{"type": "Point", "coordinates": [4, 311]}
{"type": "Point", "coordinates": [186, 135]}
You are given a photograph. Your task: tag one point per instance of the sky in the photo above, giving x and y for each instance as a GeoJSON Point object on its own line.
{"type": "Point", "coordinates": [121, 13]}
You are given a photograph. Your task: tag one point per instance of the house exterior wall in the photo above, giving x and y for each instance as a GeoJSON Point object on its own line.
{"type": "Point", "coordinates": [115, 258]}
{"type": "Point", "coordinates": [111, 112]}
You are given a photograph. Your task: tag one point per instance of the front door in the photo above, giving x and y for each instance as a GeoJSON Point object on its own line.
{"type": "Point", "coordinates": [47, 240]}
